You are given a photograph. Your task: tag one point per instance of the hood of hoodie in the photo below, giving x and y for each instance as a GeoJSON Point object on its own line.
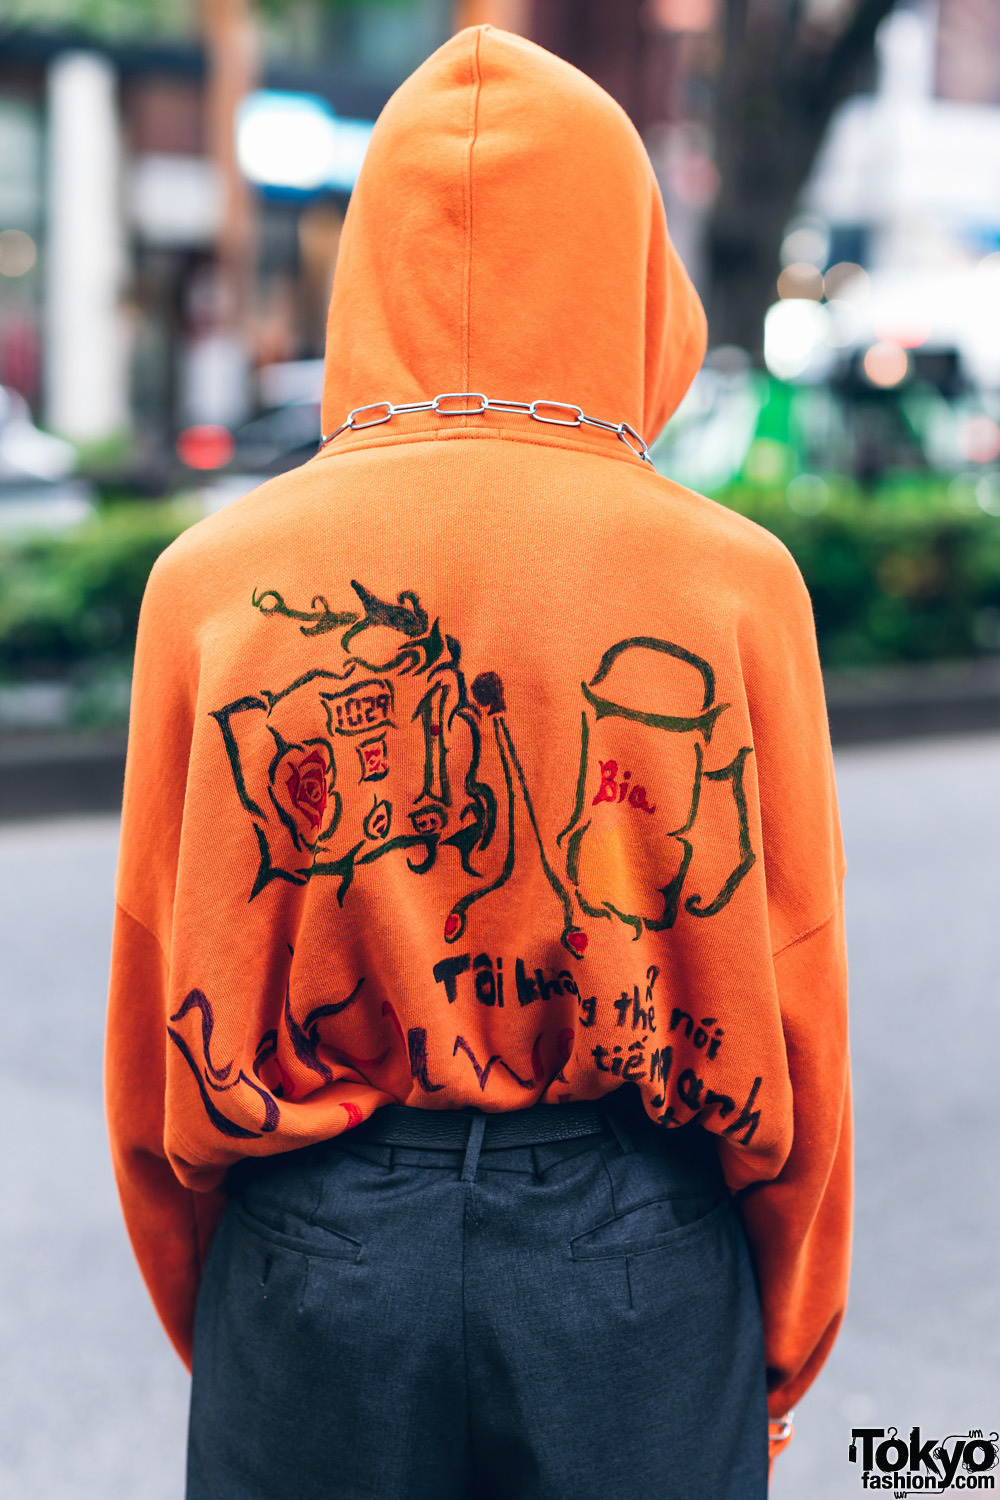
{"type": "Point", "coordinates": [507, 235]}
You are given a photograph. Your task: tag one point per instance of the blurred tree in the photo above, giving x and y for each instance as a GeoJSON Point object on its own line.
{"type": "Point", "coordinates": [109, 19]}
{"type": "Point", "coordinates": [759, 78]}
{"type": "Point", "coordinates": [231, 47]}
{"type": "Point", "coordinates": [784, 65]}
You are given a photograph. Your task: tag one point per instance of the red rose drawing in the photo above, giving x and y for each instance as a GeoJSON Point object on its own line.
{"type": "Point", "coordinates": [306, 785]}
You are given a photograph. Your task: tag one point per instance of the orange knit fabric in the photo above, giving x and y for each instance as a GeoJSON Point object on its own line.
{"type": "Point", "coordinates": [473, 763]}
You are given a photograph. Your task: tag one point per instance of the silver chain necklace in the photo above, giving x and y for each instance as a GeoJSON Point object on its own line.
{"type": "Point", "coordinates": [574, 416]}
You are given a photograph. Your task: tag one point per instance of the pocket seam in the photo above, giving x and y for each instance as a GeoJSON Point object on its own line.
{"type": "Point", "coordinates": [293, 1242]}
{"type": "Point", "coordinates": [650, 1243]}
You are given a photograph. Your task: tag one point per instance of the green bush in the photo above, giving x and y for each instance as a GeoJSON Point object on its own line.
{"type": "Point", "coordinates": [71, 598]}
{"type": "Point", "coordinates": [912, 574]}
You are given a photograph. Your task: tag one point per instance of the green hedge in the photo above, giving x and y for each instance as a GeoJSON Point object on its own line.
{"type": "Point", "coordinates": [69, 598]}
{"type": "Point", "coordinates": [910, 575]}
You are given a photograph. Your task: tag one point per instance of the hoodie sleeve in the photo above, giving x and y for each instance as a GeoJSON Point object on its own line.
{"type": "Point", "coordinates": [799, 1223]}
{"type": "Point", "coordinates": [169, 1225]}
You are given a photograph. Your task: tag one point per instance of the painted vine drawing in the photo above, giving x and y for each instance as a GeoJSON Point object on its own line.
{"type": "Point", "coordinates": [372, 753]}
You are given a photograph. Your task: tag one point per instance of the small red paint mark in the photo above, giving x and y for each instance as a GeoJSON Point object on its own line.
{"type": "Point", "coordinates": [387, 1010]}
{"type": "Point", "coordinates": [536, 1057]}
{"type": "Point", "coordinates": [354, 1116]}
{"type": "Point", "coordinates": [435, 729]}
{"type": "Point", "coordinates": [564, 1051]}
{"type": "Point", "coordinates": [359, 1062]}
{"type": "Point", "coordinates": [577, 942]}
{"type": "Point", "coordinates": [287, 1086]}
{"type": "Point", "coordinates": [452, 926]}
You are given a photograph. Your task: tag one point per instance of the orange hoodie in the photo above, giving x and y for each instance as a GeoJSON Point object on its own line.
{"type": "Point", "coordinates": [473, 763]}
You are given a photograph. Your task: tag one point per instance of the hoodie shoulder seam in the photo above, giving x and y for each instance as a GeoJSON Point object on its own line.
{"type": "Point", "coordinates": [804, 937]}
{"type": "Point", "coordinates": [144, 925]}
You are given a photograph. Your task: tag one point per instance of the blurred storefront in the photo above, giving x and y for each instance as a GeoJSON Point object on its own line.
{"type": "Point", "coordinates": [171, 205]}
{"type": "Point", "coordinates": [173, 186]}
{"type": "Point", "coordinates": [144, 280]}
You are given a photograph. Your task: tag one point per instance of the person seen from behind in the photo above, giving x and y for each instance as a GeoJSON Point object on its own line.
{"type": "Point", "coordinates": [477, 1055]}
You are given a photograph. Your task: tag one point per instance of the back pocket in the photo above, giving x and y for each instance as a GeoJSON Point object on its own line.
{"type": "Point", "coordinates": [647, 1226]}
{"type": "Point", "coordinates": [301, 1235]}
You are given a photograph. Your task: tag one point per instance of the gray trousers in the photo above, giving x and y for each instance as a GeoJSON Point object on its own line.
{"type": "Point", "coordinates": [571, 1321]}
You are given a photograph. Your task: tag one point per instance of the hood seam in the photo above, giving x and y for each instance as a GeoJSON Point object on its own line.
{"type": "Point", "coordinates": [477, 83]}
{"type": "Point", "coordinates": [564, 444]}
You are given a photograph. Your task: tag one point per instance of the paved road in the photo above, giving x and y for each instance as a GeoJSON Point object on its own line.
{"type": "Point", "coordinates": [92, 1401]}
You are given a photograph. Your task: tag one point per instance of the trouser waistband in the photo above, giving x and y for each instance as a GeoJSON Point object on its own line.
{"type": "Point", "coordinates": [471, 1131]}
{"type": "Point", "coordinates": [450, 1129]}
{"type": "Point", "coordinates": [465, 1133]}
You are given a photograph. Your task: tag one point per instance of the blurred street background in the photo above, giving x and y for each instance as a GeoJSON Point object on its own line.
{"type": "Point", "coordinates": [174, 176]}
{"type": "Point", "coordinates": [173, 181]}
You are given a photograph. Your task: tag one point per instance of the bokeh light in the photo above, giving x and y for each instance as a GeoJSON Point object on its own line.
{"type": "Point", "coordinates": [206, 446]}
{"type": "Point", "coordinates": [886, 365]}
{"type": "Point", "coordinates": [793, 331]}
{"type": "Point", "coordinates": [845, 324]}
{"type": "Point", "coordinates": [979, 440]}
{"type": "Point", "coordinates": [802, 280]}
{"type": "Point", "coordinates": [296, 142]}
{"type": "Point", "coordinates": [907, 332]}
{"type": "Point", "coordinates": [18, 252]}
{"type": "Point", "coordinates": [847, 282]}
{"type": "Point", "coordinates": [806, 242]}
{"type": "Point", "coordinates": [807, 494]}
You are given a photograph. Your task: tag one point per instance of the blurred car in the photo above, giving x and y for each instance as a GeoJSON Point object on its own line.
{"type": "Point", "coordinates": [284, 434]}
{"type": "Point", "coordinates": [278, 440]}
{"type": "Point", "coordinates": [917, 412]}
{"type": "Point", "coordinates": [287, 431]}
{"type": "Point", "coordinates": [37, 489]}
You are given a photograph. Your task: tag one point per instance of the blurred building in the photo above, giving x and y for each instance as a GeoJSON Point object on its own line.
{"type": "Point", "coordinates": [905, 187]}
{"type": "Point", "coordinates": [170, 206]}
{"type": "Point", "coordinates": [143, 280]}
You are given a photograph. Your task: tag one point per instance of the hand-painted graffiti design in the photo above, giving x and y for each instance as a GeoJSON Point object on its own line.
{"type": "Point", "coordinates": [312, 817]}
{"type": "Point", "coordinates": [327, 769]}
{"type": "Point", "coordinates": [597, 851]}
{"type": "Point", "coordinates": [309, 800]}
{"type": "Point", "coordinates": [273, 1082]}
{"type": "Point", "coordinates": [299, 1039]}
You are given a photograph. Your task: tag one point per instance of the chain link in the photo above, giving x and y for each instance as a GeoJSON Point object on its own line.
{"type": "Point", "coordinates": [573, 416]}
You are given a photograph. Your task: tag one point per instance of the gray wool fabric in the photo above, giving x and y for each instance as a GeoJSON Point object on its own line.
{"type": "Point", "coordinates": [570, 1321]}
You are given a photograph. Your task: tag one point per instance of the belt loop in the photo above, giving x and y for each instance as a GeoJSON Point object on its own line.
{"type": "Point", "coordinates": [620, 1134]}
{"type": "Point", "coordinates": [477, 1129]}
